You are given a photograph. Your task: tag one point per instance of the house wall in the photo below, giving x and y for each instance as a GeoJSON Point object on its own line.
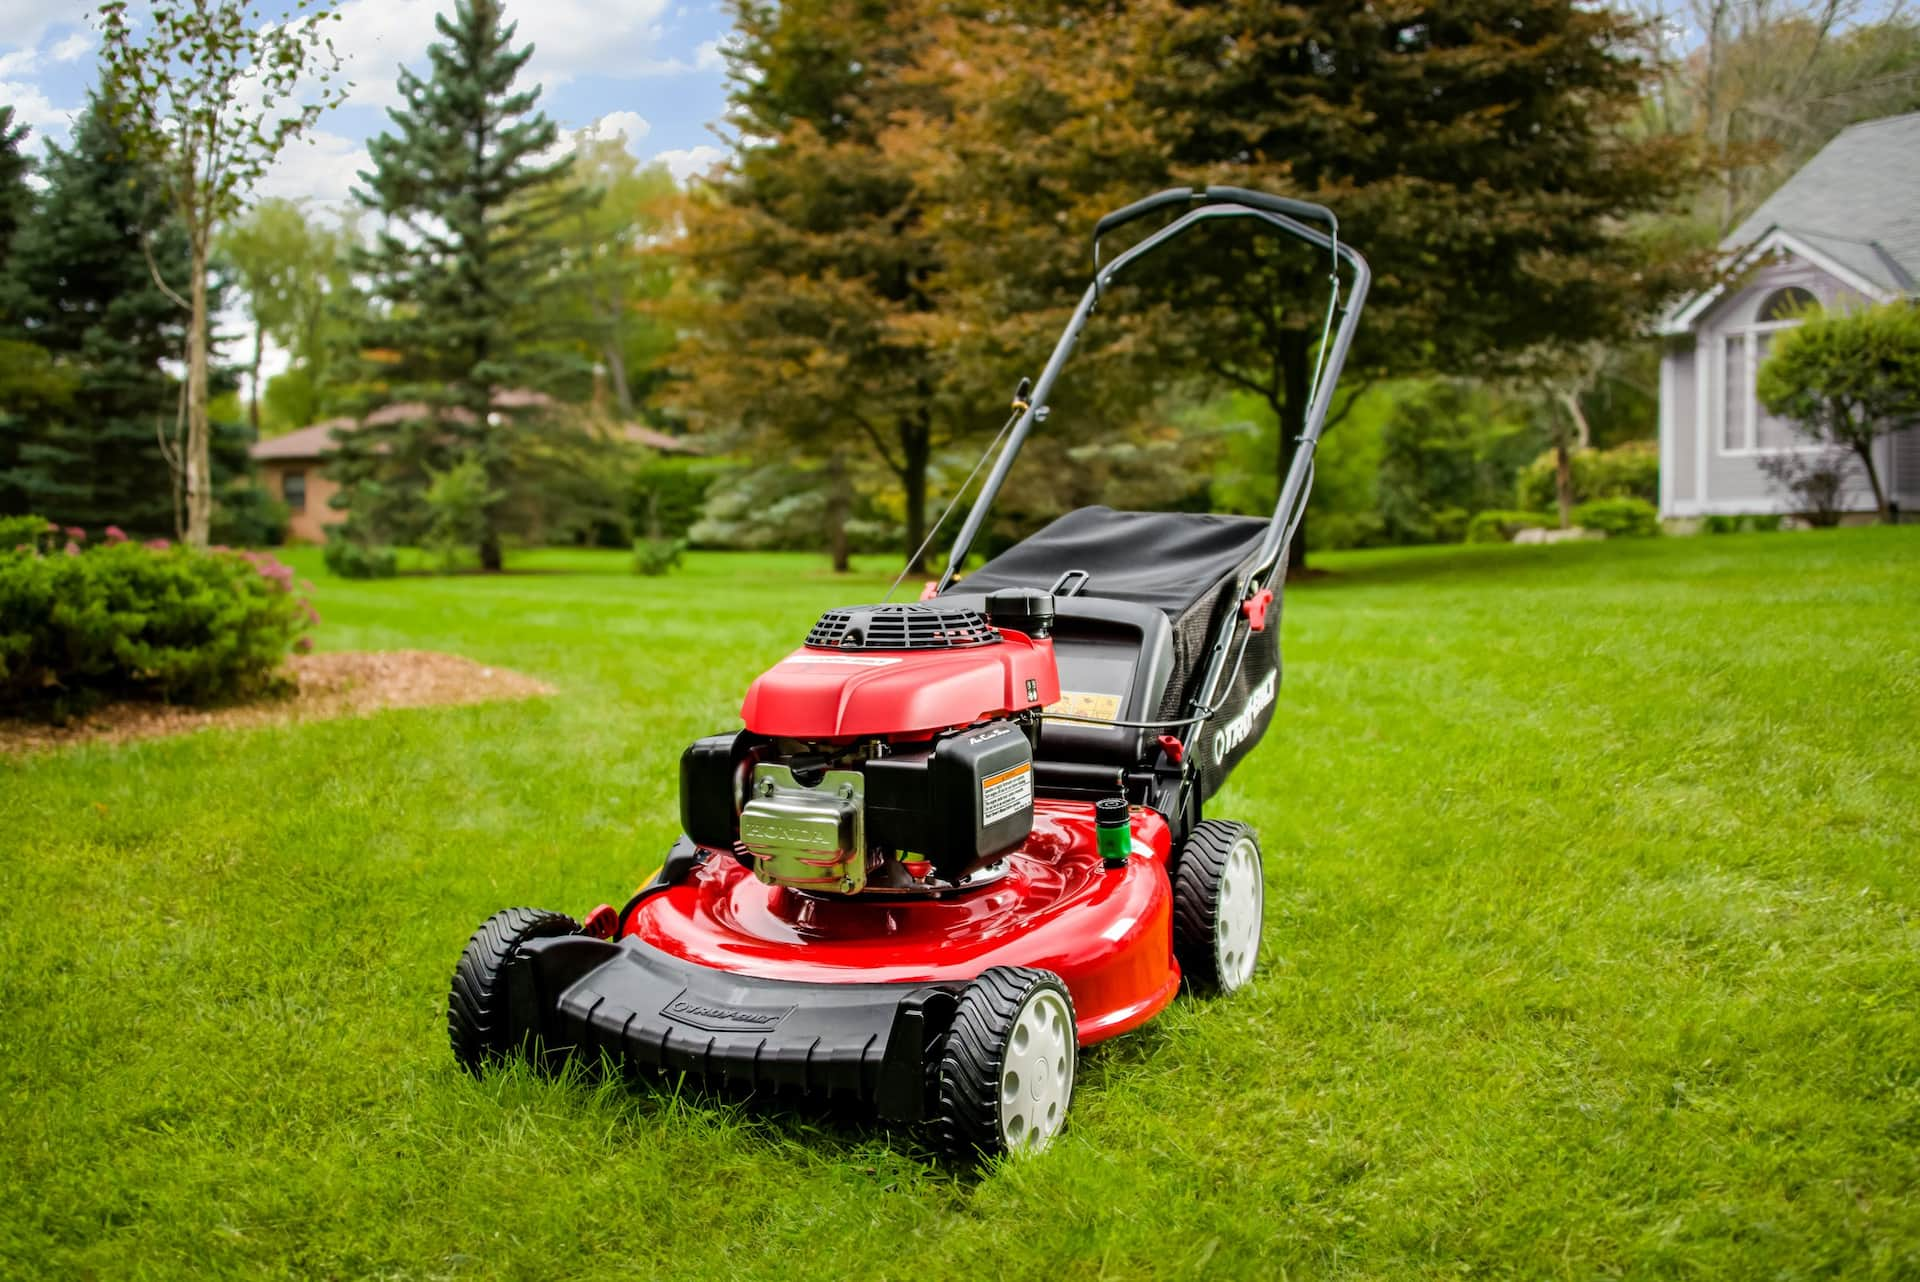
{"type": "Point", "coordinates": [309, 526]}
{"type": "Point", "coordinates": [1699, 472]}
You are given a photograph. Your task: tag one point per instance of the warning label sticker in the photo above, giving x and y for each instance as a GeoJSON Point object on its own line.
{"type": "Point", "coordinates": [1006, 793]}
{"type": "Point", "coordinates": [1079, 703]}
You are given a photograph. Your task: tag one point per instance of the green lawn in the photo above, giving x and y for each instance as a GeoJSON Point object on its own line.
{"type": "Point", "coordinates": [1591, 950]}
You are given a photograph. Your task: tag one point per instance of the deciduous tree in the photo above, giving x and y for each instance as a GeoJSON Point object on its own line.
{"type": "Point", "coordinates": [208, 92]}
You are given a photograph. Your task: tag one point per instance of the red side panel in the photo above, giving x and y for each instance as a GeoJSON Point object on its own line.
{"type": "Point", "coordinates": [1108, 932]}
{"type": "Point", "coordinates": [824, 694]}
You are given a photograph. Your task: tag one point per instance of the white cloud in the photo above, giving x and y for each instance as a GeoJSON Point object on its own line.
{"type": "Point", "coordinates": [571, 38]}
{"type": "Point", "coordinates": [18, 62]}
{"type": "Point", "coordinates": [710, 56]}
{"type": "Point", "coordinates": [322, 168]}
{"type": "Point", "coordinates": [73, 48]}
{"type": "Point", "coordinates": [630, 126]}
{"type": "Point", "coordinates": [23, 22]}
{"type": "Point", "coordinates": [32, 107]}
{"type": "Point", "coordinates": [686, 162]}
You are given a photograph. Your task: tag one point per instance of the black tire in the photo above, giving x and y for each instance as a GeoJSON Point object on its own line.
{"type": "Point", "coordinates": [969, 1121]}
{"type": "Point", "coordinates": [1197, 903]}
{"type": "Point", "coordinates": [477, 1020]}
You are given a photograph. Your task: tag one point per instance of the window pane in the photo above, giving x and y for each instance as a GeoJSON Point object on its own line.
{"type": "Point", "coordinates": [1770, 431]}
{"type": "Point", "coordinates": [293, 488]}
{"type": "Point", "coordinates": [1735, 390]}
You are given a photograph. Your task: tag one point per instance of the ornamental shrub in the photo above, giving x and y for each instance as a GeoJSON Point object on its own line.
{"type": "Point", "coordinates": [144, 620]}
{"type": "Point", "coordinates": [1619, 518]}
{"type": "Point", "coordinates": [1500, 527]}
{"type": "Point", "coordinates": [353, 560]}
{"type": "Point", "coordinates": [655, 557]}
{"type": "Point", "coordinates": [1627, 471]}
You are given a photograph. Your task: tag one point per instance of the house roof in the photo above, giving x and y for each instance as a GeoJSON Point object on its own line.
{"type": "Point", "coordinates": [1853, 210]}
{"type": "Point", "coordinates": [1857, 201]}
{"type": "Point", "coordinates": [307, 442]}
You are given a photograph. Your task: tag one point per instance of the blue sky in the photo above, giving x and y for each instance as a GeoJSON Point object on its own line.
{"type": "Point", "coordinates": [650, 69]}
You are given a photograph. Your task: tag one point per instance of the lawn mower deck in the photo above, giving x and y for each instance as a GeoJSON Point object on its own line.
{"type": "Point", "coordinates": [955, 840]}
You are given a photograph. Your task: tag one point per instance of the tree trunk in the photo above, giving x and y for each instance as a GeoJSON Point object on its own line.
{"type": "Point", "coordinates": [617, 376]}
{"type": "Point", "coordinates": [839, 507]}
{"type": "Point", "coordinates": [490, 558]}
{"type": "Point", "coordinates": [1563, 479]}
{"type": "Point", "coordinates": [253, 410]}
{"type": "Point", "coordinates": [199, 461]}
{"type": "Point", "coordinates": [1873, 478]}
{"type": "Point", "coordinates": [916, 451]}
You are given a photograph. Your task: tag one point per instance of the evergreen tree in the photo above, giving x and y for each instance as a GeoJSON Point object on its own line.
{"type": "Point", "coordinates": [91, 456]}
{"type": "Point", "coordinates": [16, 203]}
{"type": "Point", "coordinates": [459, 273]}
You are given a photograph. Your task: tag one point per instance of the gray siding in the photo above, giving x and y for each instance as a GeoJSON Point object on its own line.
{"type": "Point", "coordinates": [1705, 470]}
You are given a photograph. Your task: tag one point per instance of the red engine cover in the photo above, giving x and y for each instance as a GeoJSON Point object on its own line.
{"type": "Point", "coordinates": [826, 694]}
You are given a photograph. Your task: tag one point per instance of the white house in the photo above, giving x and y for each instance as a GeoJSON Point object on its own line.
{"type": "Point", "coordinates": [1843, 231]}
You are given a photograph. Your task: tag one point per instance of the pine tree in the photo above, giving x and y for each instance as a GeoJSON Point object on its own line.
{"type": "Point", "coordinates": [16, 203]}
{"type": "Point", "coordinates": [461, 267]}
{"type": "Point", "coordinates": [91, 304]}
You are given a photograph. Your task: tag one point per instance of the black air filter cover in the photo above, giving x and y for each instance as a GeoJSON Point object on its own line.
{"type": "Point", "coordinates": [919, 626]}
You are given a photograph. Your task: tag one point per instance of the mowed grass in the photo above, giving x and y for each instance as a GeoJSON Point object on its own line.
{"type": "Point", "coordinates": [1590, 951]}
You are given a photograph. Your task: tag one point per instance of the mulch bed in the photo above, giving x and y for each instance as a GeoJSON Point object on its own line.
{"type": "Point", "coordinates": [325, 685]}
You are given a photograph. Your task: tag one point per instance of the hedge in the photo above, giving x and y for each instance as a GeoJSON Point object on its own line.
{"type": "Point", "coordinates": [81, 623]}
{"type": "Point", "coordinates": [1629, 471]}
{"type": "Point", "coordinates": [1619, 518]}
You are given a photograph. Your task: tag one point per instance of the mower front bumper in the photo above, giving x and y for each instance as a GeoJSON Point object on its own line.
{"type": "Point", "coordinates": [648, 1010]}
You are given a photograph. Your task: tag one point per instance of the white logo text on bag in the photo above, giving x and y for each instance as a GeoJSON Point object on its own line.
{"type": "Point", "coordinates": [1235, 732]}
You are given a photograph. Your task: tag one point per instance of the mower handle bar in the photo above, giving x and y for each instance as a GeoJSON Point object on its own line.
{"type": "Point", "coordinates": [1278, 213]}
{"type": "Point", "coordinates": [1215, 195]}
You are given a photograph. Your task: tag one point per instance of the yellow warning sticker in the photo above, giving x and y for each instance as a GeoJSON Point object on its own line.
{"type": "Point", "coordinates": [1080, 703]}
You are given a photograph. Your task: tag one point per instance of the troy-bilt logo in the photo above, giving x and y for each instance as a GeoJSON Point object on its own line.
{"type": "Point", "coordinates": [722, 1019]}
{"type": "Point", "coordinates": [1235, 732]}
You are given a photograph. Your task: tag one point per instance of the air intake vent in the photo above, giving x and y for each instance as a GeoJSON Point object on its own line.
{"type": "Point", "coordinates": [900, 627]}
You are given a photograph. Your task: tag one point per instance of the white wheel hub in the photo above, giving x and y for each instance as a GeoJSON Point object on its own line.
{"type": "Point", "coordinates": [1036, 1079]}
{"type": "Point", "coordinates": [1236, 924]}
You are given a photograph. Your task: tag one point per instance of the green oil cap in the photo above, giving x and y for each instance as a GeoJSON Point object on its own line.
{"type": "Point", "coordinates": [1112, 830]}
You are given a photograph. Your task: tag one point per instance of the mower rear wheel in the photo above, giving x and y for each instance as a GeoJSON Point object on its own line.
{"type": "Point", "coordinates": [1219, 901]}
{"type": "Point", "coordinates": [1006, 1073]}
{"type": "Point", "coordinates": [478, 1024]}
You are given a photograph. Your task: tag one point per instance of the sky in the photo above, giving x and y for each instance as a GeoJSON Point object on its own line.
{"type": "Point", "coordinates": [648, 69]}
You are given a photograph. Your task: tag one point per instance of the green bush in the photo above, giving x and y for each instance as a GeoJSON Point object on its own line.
{"type": "Point", "coordinates": [1500, 527]}
{"type": "Point", "coordinates": [1619, 518]}
{"type": "Point", "coordinates": [123, 619]}
{"type": "Point", "coordinates": [669, 493]}
{"type": "Point", "coordinates": [353, 560]}
{"type": "Point", "coordinates": [1628, 471]}
{"type": "Point", "coordinates": [1721, 524]}
{"type": "Point", "coordinates": [655, 557]}
{"type": "Point", "coordinates": [27, 534]}
{"type": "Point", "coordinates": [248, 516]}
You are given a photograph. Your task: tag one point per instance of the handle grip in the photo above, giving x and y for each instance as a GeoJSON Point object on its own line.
{"type": "Point", "coordinates": [1217, 196]}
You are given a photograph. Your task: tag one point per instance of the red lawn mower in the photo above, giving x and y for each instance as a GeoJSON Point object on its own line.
{"type": "Point", "coordinates": [959, 839]}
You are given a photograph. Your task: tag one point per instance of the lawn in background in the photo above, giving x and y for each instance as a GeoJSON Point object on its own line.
{"type": "Point", "coordinates": [1590, 950]}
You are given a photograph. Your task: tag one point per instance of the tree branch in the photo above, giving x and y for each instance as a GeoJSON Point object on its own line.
{"type": "Point", "coordinates": [1241, 380]}
{"type": "Point", "coordinates": [899, 469]}
{"type": "Point", "coordinates": [1334, 419]}
{"type": "Point", "coordinates": [146, 247]}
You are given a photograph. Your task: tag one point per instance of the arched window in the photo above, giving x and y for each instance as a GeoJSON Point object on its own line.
{"type": "Point", "coordinates": [1789, 304]}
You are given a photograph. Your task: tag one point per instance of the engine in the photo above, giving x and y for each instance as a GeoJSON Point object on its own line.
{"type": "Point", "coordinates": [892, 751]}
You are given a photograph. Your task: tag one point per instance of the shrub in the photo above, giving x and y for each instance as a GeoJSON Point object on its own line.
{"type": "Point", "coordinates": [657, 556]}
{"type": "Point", "coordinates": [27, 534]}
{"type": "Point", "coordinates": [1630, 470]}
{"type": "Point", "coordinates": [248, 516]}
{"type": "Point", "coordinates": [1817, 482]}
{"type": "Point", "coordinates": [668, 494]}
{"type": "Point", "coordinates": [142, 620]}
{"type": "Point", "coordinates": [1500, 527]}
{"type": "Point", "coordinates": [1722, 524]}
{"type": "Point", "coordinates": [353, 560]}
{"type": "Point", "coordinates": [1619, 518]}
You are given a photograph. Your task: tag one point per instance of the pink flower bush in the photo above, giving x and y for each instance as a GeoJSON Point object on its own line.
{"type": "Point", "coordinates": [116, 535]}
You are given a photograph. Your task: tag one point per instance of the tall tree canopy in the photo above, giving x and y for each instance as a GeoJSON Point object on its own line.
{"type": "Point", "coordinates": [810, 327]}
{"type": "Point", "coordinates": [89, 452]}
{"type": "Point", "coordinates": [295, 273]}
{"type": "Point", "coordinates": [1475, 151]}
{"type": "Point", "coordinates": [461, 274]}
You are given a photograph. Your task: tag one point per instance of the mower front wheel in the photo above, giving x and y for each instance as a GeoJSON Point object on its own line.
{"type": "Point", "coordinates": [1219, 903]}
{"type": "Point", "coordinates": [478, 1024]}
{"type": "Point", "coordinates": [1006, 1073]}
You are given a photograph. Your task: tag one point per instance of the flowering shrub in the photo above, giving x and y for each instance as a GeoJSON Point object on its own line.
{"type": "Point", "coordinates": [83, 621]}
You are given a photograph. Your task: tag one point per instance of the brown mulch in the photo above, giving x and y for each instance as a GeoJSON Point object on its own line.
{"type": "Point", "coordinates": [325, 685]}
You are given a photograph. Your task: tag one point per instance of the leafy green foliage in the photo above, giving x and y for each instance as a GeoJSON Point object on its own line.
{"type": "Point", "coordinates": [125, 619]}
{"type": "Point", "coordinates": [668, 494]}
{"type": "Point", "coordinates": [1628, 470]}
{"type": "Point", "coordinates": [457, 504]}
{"type": "Point", "coordinates": [1847, 378]}
{"type": "Point", "coordinates": [1619, 518]}
{"type": "Point", "coordinates": [1447, 451]}
{"type": "Point", "coordinates": [351, 559]}
{"type": "Point", "coordinates": [657, 556]}
{"type": "Point", "coordinates": [1720, 523]}
{"type": "Point", "coordinates": [461, 271]}
{"type": "Point", "coordinates": [1495, 526]}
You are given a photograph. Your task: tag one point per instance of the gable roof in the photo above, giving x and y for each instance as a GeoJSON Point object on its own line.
{"type": "Point", "coordinates": [317, 440]}
{"type": "Point", "coordinates": [1853, 210]}
{"type": "Point", "coordinates": [1858, 200]}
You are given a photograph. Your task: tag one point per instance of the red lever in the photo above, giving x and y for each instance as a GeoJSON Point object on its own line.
{"type": "Point", "coordinates": [600, 922]}
{"type": "Point", "coordinates": [1255, 608]}
{"type": "Point", "coordinates": [1174, 749]}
